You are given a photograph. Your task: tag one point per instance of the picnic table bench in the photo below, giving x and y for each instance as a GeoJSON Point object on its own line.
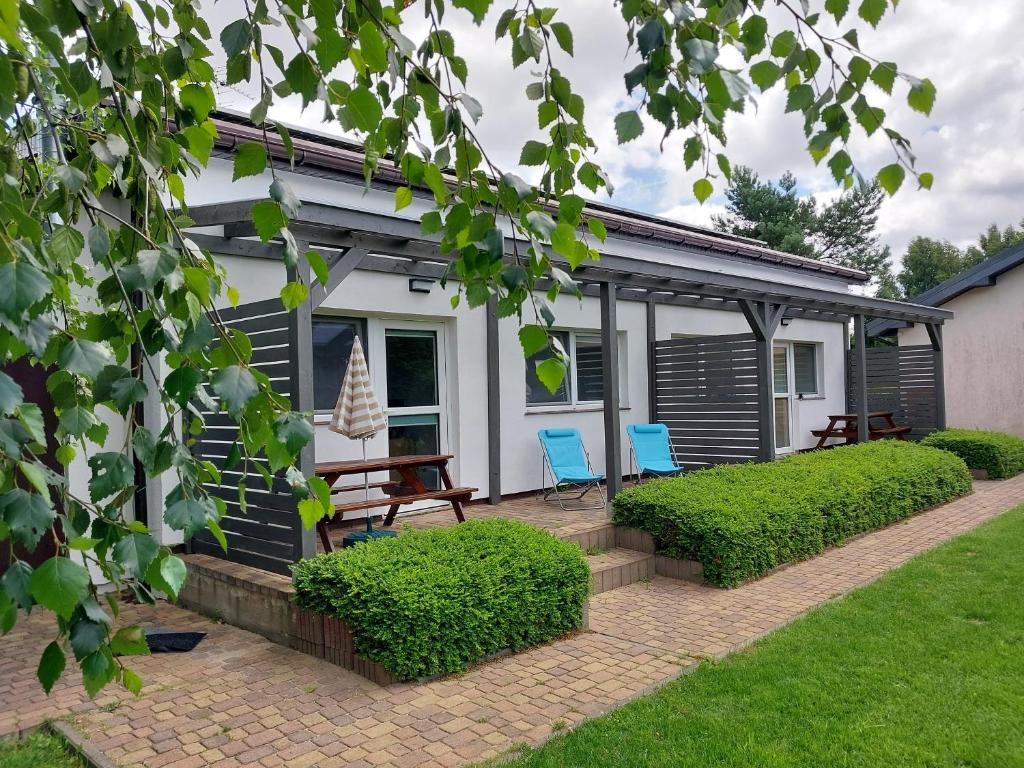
{"type": "Point", "coordinates": [410, 490]}
{"type": "Point", "coordinates": [848, 428]}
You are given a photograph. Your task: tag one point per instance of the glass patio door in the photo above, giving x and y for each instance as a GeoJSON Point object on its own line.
{"type": "Point", "coordinates": [415, 397]}
{"type": "Point", "coordinates": [783, 410]}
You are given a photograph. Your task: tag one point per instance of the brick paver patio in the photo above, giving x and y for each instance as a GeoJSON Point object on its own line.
{"type": "Point", "coordinates": [241, 700]}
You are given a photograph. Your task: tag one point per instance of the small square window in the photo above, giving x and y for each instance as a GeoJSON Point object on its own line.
{"type": "Point", "coordinates": [536, 392]}
{"type": "Point", "coordinates": [805, 368]}
{"type": "Point", "coordinates": [589, 370]}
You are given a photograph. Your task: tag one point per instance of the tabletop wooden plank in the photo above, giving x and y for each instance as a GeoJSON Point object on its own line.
{"type": "Point", "coordinates": [358, 466]}
{"type": "Point", "coordinates": [853, 416]}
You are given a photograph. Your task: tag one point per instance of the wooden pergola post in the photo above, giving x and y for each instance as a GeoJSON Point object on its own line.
{"type": "Point", "coordinates": [935, 335]}
{"type": "Point", "coordinates": [610, 369]}
{"type": "Point", "coordinates": [300, 356]}
{"type": "Point", "coordinates": [493, 405]}
{"type": "Point", "coordinates": [652, 373]}
{"type": "Point", "coordinates": [764, 318]}
{"type": "Point", "coordinates": [860, 382]}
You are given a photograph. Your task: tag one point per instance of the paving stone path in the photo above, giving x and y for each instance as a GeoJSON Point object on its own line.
{"type": "Point", "coordinates": [241, 700]}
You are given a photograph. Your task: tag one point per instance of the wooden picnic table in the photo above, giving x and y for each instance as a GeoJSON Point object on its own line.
{"type": "Point", "coordinates": [848, 430]}
{"type": "Point", "coordinates": [410, 490]}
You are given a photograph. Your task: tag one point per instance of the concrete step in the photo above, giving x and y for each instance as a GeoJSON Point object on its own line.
{"type": "Point", "coordinates": [598, 536]}
{"type": "Point", "coordinates": [617, 567]}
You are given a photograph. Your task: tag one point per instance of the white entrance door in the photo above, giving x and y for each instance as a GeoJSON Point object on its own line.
{"type": "Point", "coordinates": [415, 392]}
{"type": "Point", "coordinates": [782, 378]}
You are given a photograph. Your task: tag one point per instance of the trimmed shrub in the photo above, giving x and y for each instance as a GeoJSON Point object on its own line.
{"type": "Point", "coordinates": [999, 454]}
{"type": "Point", "coordinates": [742, 520]}
{"type": "Point", "coordinates": [434, 601]}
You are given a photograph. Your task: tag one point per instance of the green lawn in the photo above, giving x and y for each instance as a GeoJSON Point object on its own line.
{"type": "Point", "coordinates": [923, 668]}
{"type": "Point", "coordinates": [39, 750]}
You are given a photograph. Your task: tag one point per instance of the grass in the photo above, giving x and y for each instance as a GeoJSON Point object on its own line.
{"type": "Point", "coordinates": [923, 669]}
{"type": "Point", "coordinates": [38, 750]}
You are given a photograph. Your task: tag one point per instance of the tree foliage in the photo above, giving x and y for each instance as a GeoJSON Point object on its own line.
{"type": "Point", "coordinates": [840, 232]}
{"type": "Point", "coordinates": [105, 112]}
{"type": "Point", "coordinates": [928, 262]}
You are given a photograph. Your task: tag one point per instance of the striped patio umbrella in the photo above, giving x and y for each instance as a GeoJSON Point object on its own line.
{"type": "Point", "coordinates": [358, 414]}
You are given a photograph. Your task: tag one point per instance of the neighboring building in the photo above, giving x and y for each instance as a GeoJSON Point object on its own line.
{"type": "Point", "coordinates": [983, 357]}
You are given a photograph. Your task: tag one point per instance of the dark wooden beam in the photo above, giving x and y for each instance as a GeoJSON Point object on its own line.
{"type": "Point", "coordinates": [652, 373]}
{"type": "Point", "coordinates": [610, 369]}
{"type": "Point", "coordinates": [764, 319]}
{"type": "Point", "coordinates": [300, 358]}
{"type": "Point", "coordinates": [625, 272]}
{"type": "Point", "coordinates": [338, 269]}
{"type": "Point", "coordinates": [935, 335]}
{"type": "Point", "coordinates": [493, 404]}
{"type": "Point", "coordinates": [860, 383]}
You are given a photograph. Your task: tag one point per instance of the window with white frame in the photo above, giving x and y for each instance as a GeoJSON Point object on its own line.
{"type": "Point", "coordinates": [806, 378]}
{"type": "Point", "coordinates": [332, 346]}
{"type": "Point", "coordinates": [584, 381]}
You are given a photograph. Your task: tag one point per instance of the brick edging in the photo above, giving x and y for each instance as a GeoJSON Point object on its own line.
{"type": "Point", "coordinates": [331, 639]}
{"type": "Point", "coordinates": [90, 755]}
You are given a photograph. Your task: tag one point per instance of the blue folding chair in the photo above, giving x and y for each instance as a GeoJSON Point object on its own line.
{"type": "Point", "coordinates": [565, 460]}
{"type": "Point", "coordinates": [651, 453]}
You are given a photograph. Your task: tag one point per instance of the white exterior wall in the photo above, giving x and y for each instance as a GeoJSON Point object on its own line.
{"type": "Point", "coordinates": [983, 356]}
{"type": "Point", "coordinates": [381, 297]}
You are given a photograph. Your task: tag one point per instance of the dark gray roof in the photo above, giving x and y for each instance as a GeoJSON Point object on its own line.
{"type": "Point", "coordinates": [979, 276]}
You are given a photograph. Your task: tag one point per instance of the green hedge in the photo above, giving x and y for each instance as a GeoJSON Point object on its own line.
{"type": "Point", "coordinates": [999, 454]}
{"type": "Point", "coordinates": [431, 602]}
{"type": "Point", "coordinates": [742, 520]}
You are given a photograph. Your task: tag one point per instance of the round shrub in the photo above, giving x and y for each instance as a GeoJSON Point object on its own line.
{"type": "Point", "coordinates": [999, 454]}
{"type": "Point", "coordinates": [434, 601]}
{"type": "Point", "coordinates": [742, 520]}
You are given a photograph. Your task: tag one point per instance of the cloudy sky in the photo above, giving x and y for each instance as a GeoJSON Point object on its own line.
{"type": "Point", "coordinates": [973, 142]}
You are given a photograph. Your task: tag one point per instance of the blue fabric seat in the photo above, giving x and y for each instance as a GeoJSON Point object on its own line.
{"type": "Point", "coordinates": [565, 461]}
{"type": "Point", "coordinates": [651, 452]}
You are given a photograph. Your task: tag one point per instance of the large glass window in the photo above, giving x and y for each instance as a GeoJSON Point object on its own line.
{"type": "Point", "coordinates": [412, 368]}
{"type": "Point", "coordinates": [536, 392]}
{"type": "Point", "coordinates": [332, 346]}
{"type": "Point", "coordinates": [805, 369]}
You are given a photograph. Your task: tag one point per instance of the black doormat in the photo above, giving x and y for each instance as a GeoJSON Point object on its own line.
{"type": "Point", "coordinates": [172, 641]}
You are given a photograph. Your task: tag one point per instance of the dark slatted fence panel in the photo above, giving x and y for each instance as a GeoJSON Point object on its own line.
{"type": "Point", "coordinates": [706, 394]}
{"type": "Point", "coordinates": [265, 535]}
{"type": "Point", "coordinates": [918, 393]}
{"type": "Point", "coordinates": [901, 380]}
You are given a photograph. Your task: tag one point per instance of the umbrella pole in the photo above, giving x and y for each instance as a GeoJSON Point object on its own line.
{"type": "Point", "coordinates": [366, 491]}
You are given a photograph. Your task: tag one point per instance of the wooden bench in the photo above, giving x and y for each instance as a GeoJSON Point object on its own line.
{"type": "Point", "coordinates": [848, 430]}
{"type": "Point", "coordinates": [898, 432]}
{"type": "Point", "coordinates": [459, 495]}
{"type": "Point", "coordinates": [409, 491]}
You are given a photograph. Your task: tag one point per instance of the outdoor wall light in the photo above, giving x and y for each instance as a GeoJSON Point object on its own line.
{"type": "Point", "coordinates": [420, 284]}
{"type": "Point", "coordinates": [785, 322]}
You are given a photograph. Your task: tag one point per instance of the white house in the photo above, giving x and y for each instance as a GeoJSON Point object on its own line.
{"type": "Point", "coordinates": [454, 381]}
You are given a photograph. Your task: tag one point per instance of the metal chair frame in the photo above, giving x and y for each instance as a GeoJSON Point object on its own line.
{"type": "Point", "coordinates": [634, 463]}
{"type": "Point", "coordinates": [559, 489]}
